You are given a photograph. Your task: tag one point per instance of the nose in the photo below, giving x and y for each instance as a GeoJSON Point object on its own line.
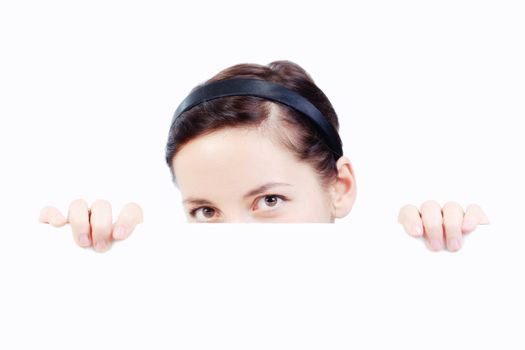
{"type": "Point", "coordinates": [240, 217]}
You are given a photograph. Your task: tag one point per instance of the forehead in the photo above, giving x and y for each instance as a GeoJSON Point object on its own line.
{"type": "Point", "coordinates": [233, 161]}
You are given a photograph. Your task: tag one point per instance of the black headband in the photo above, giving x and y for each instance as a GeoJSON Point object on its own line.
{"type": "Point", "coordinates": [267, 90]}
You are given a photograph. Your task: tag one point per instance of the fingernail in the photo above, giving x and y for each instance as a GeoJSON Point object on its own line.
{"type": "Point", "coordinates": [84, 239]}
{"type": "Point", "coordinates": [454, 244]}
{"type": "Point", "coordinates": [418, 230]}
{"type": "Point", "coordinates": [436, 244]}
{"type": "Point", "coordinates": [101, 244]}
{"type": "Point", "coordinates": [120, 232]}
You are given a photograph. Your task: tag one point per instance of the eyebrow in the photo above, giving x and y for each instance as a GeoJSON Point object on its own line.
{"type": "Point", "coordinates": [255, 191]}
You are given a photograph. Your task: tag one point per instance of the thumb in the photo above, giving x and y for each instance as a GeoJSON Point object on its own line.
{"type": "Point", "coordinates": [51, 215]}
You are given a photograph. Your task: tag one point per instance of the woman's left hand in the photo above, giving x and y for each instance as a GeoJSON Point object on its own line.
{"type": "Point", "coordinates": [439, 225]}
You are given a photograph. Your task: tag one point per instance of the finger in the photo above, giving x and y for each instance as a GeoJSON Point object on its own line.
{"type": "Point", "coordinates": [51, 215]}
{"type": "Point", "coordinates": [101, 224]}
{"type": "Point", "coordinates": [410, 218]}
{"type": "Point", "coordinates": [452, 221]}
{"type": "Point", "coordinates": [78, 217]}
{"type": "Point", "coordinates": [474, 216]}
{"type": "Point", "coordinates": [129, 217]}
{"type": "Point", "coordinates": [433, 224]}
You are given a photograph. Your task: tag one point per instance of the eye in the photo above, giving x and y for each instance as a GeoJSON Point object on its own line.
{"type": "Point", "coordinates": [270, 201]}
{"type": "Point", "coordinates": [206, 213]}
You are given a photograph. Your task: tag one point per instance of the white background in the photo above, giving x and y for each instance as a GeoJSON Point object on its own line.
{"type": "Point", "coordinates": [430, 96]}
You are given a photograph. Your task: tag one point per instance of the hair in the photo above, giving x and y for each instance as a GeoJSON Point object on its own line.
{"type": "Point", "coordinates": [284, 125]}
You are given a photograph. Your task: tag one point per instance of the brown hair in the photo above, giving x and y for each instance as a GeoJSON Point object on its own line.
{"type": "Point", "coordinates": [285, 125]}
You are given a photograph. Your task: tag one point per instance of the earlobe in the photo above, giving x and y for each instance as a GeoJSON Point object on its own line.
{"type": "Point", "coordinates": [343, 190]}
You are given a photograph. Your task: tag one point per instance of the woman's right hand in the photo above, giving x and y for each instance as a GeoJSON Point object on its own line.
{"type": "Point", "coordinates": [93, 226]}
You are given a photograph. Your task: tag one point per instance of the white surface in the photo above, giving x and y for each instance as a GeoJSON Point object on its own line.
{"type": "Point", "coordinates": [430, 98]}
{"type": "Point", "coordinates": [264, 286]}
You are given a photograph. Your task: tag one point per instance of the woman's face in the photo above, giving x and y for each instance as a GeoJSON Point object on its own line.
{"type": "Point", "coordinates": [240, 175]}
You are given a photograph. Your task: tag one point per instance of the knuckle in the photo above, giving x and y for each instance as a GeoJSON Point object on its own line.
{"type": "Point", "coordinates": [451, 205]}
{"type": "Point", "coordinates": [473, 207]}
{"type": "Point", "coordinates": [47, 209]}
{"type": "Point", "coordinates": [430, 204]}
{"type": "Point", "coordinates": [78, 202]}
{"type": "Point", "coordinates": [405, 211]}
{"type": "Point", "coordinates": [132, 211]}
{"type": "Point", "coordinates": [127, 215]}
{"type": "Point", "coordinates": [132, 205]}
{"type": "Point", "coordinates": [406, 207]}
{"type": "Point", "coordinates": [101, 203]}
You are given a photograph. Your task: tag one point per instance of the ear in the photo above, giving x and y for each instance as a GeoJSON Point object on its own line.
{"type": "Point", "coordinates": [343, 190]}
